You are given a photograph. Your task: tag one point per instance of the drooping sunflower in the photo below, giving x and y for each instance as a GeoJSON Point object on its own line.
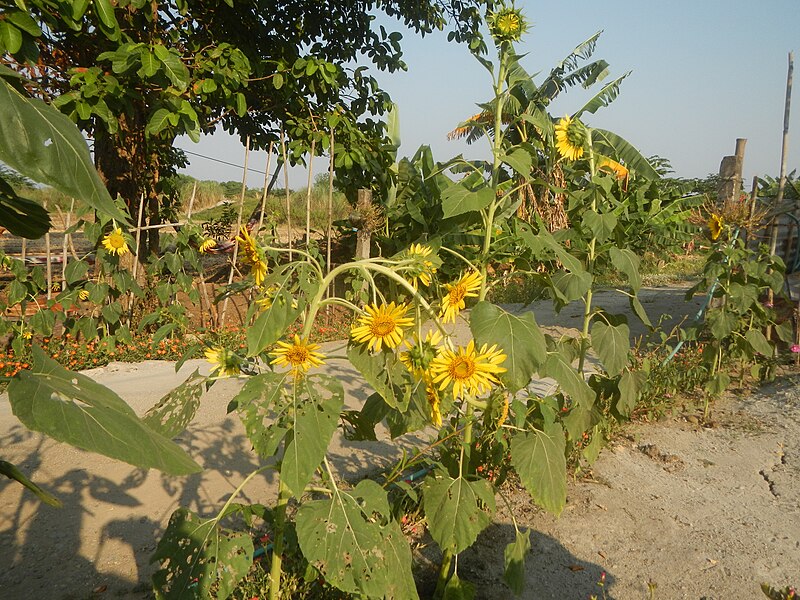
{"type": "Point", "coordinates": [299, 356]}
{"type": "Point", "coordinates": [207, 244]}
{"type": "Point", "coordinates": [507, 24]}
{"type": "Point", "coordinates": [225, 362]}
{"type": "Point", "coordinates": [453, 301]}
{"type": "Point", "coordinates": [715, 225]}
{"type": "Point", "coordinates": [467, 369]}
{"type": "Point", "coordinates": [115, 242]}
{"type": "Point", "coordinates": [422, 269]}
{"type": "Point", "coordinates": [382, 326]}
{"type": "Point", "coordinates": [83, 295]}
{"type": "Point", "coordinates": [253, 255]}
{"type": "Point", "coordinates": [571, 138]}
{"type": "Point", "coordinates": [421, 353]}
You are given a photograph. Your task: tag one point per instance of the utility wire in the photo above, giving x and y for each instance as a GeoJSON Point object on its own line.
{"type": "Point", "coordinates": [224, 162]}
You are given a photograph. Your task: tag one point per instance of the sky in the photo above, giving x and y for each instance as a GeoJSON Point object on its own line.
{"type": "Point", "coordinates": [703, 73]}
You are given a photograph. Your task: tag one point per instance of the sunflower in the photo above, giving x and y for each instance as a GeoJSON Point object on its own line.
{"type": "Point", "coordinates": [470, 371]}
{"type": "Point", "coordinates": [507, 24]}
{"type": "Point", "coordinates": [225, 362]}
{"type": "Point", "coordinates": [571, 137]}
{"type": "Point", "coordinates": [115, 242]}
{"type": "Point", "coordinates": [382, 325]}
{"type": "Point", "coordinates": [422, 269]}
{"type": "Point", "coordinates": [83, 295]}
{"type": "Point", "coordinates": [421, 353]}
{"type": "Point", "coordinates": [453, 301]}
{"type": "Point", "coordinates": [715, 224]}
{"type": "Point", "coordinates": [434, 401]}
{"type": "Point", "coordinates": [207, 244]}
{"type": "Point", "coordinates": [252, 254]}
{"type": "Point", "coordinates": [299, 356]}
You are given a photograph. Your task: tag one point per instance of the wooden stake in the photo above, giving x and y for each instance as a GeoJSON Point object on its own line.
{"type": "Point", "coordinates": [49, 263]}
{"type": "Point", "coordinates": [308, 194]}
{"type": "Point", "coordinates": [264, 192]}
{"type": "Point", "coordinates": [286, 185]}
{"type": "Point", "coordinates": [191, 203]}
{"type": "Point", "coordinates": [330, 206]}
{"type": "Point", "coordinates": [238, 227]}
{"type": "Point", "coordinates": [136, 260]}
{"type": "Point", "coordinates": [773, 242]}
{"type": "Point", "coordinates": [64, 245]}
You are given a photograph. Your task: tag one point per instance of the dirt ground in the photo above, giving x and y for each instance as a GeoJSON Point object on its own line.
{"type": "Point", "coordinates": [700, 512]}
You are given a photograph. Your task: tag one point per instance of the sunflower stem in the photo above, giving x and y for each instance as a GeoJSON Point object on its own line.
{"type": "Point", "coordinates": [587, 309]}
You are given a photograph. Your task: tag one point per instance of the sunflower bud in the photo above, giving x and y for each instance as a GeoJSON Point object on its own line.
{"type": "Point", "coordinates": [507, 24]}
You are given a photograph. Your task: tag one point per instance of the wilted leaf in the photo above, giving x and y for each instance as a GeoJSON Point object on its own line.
{"type": "Point", "coordinates": [514, 558]}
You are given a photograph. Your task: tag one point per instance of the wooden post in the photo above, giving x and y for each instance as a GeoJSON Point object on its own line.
{"type": "Point", "coordinates": [238, 227]}
{"type": "Point", "coordinates": [308, 194]}
{"type": "Point", "coordinates": [288, 200]}
{"type": "Point", "coordinates": [730, 174]}
{"type": "Point", "coordinates": [191, 203]}
{"type": "Point", "coordinates": [364, 235]}
{"type": "Point", "coordinates": [773, 242]}
{"type": "Point", "coordinates": [264, 191]}
{"type": "Point", "coordinates": [330, 208]}
{"type": "Point", "coordinates": [49, 261]}
{"type": "Point", "coordinates": [64, 245]}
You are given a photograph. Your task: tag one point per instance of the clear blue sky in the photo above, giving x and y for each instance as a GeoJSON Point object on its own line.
{"type": "Point", "coordinates": [704, 72]}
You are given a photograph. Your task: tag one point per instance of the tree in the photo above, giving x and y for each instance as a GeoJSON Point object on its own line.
{"type": "Point", "coordinates": [135, 74]}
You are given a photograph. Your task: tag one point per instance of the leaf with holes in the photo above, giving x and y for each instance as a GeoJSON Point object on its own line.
{"type": "Point", "coordinates": [519, 337]}
{"type": "Point", "coordinates": [258, 404]}
{"type": "Point", "coordinates": [72, 408]}
{"type": "Point", "coordinates": [457, 510]}
{"type": "Point", "coordinates": [197, 556]}
{"type": "Point", "coordinates": [538, 458]}
{"type": "Point", "coordinates": [175, 411]}
{"type": "Point", "coordinates": [317, 402]}
{"type": "Point", "coordinates": [350, 539]}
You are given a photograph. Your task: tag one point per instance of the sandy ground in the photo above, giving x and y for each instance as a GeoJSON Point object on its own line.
{"type": "Point", "coordinates": [701, 512]}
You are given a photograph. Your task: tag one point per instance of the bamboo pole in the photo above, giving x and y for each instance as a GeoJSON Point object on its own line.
{"type": "Point", "coordinates": [24, 249]}
{"type": "Point", "coordinates": [136, 259]}
{"type": "Point", "coordinates": [330, 212]}
{"type": "Point", "coordinates": [286, 186]}
{"type": "Point", "coordinates": [191, 203]}
{"type": "Point", "coordinates": [49, 261]}
{"type": "Point", "coordinates": [238, 227]}
{"type": "Point", "coordinates": [64, 245]}
{"type": "Point", "coordinates": [784, 154]}
{"type": "Point", "coordinates": [308, 194]}
{"type": "Point", "coordinates": [264, 192]}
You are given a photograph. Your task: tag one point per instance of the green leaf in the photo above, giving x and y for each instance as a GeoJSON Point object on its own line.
{"type": "Point", "coordinates": [539, 460]}
{"type": "Point", "coordinates": [601, 226]}
{"type": "Point", "coordinates": [742, 296]}
{"type": "Point", "coordinates": [39, 142]}
{"type": "Point", "coordinates": [456, 589]}
{"type": "Point", "coordinates": [10, 38]}
{"type": "Point", "coordinates": [105, 11]}
{"type": "Point", "coordinates": [314, 421]}
{"type": "Point", "coordinates": [384, 372]}
{"type": "Point", "coordinates": [519, 337]}
{"type": "Point", "coordinates": [611, 144]}
{"type": "Point", "coordinates": [459, 199]}
{"type": "Point", "coordinates": [72, 408]}
{"type": "Point", "coordinates": [271, 324]}
{"type": "Point", "coordinates": [75, 271]}
{"type": "Point", "coordinates": [11, 471]}
{"type": "Point", "coordinates": [457, 510]}
{"type": "Point", "coordinates": [174, 68]}
{"type": "Point", "coordinates": [604, 97]}
{"type": "Point", "coordinates": [241, 104]}
{"type": "Point", "coordinates": [170, 416]}
{"type": "Point", "coordinates": [758, 342]}
{"type": "Point", "coordinates": [150, 65]}
{"type": "Point", "coordinates": [257, 404]}
{"type": "Point", "coordinates": [722, 323]}
{"type": "Point", "coordinates": [24, 22]}
{"type": "Point", "coordinates": [637, 308]}
{"type": "Point", "coordinates": [197, 556]}
{"type": "Point", "coordinates": [630, 386]}
{"type": "Point", "coordinates": [22, 217]}
{"type": "Point", "coordinates": [612, 344]}
{"type": "Point", "coordinates": [571, 285]}
{"type": "Point", "coordinates": [159, 121]}
{"type": "Point", "coordinates": [519, 160]}
{"type": "Point", "coordinates": [351, 541]}
{"type": "Point", "coordinates": [569, 378]}
{"type": "Point", "coordinates": [718, 384]}
{"type": "Point", "coordinates": [277, 81]}
{"type": "Point", "coordinates": [627, 262]}
{"type": "Point", "coordinates": [514, 558]}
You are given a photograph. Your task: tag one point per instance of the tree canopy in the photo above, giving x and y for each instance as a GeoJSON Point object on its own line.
{"type": "Point", "coordinates": [135, 74]}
